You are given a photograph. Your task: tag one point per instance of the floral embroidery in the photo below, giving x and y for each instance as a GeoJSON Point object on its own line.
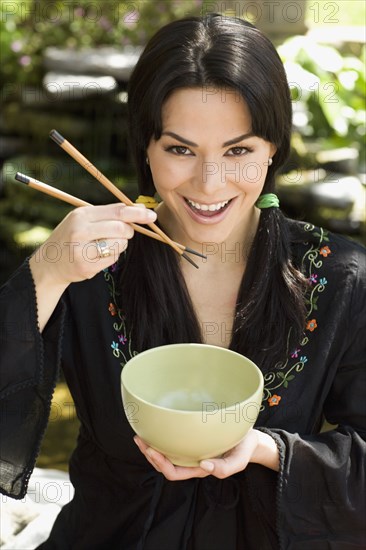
{"type": "Point", "coordinates": [274, 400]}
{"type": "Point", "coordinates": [325, 251]}
{"type": "Point", "coordinates": [124, 353]}
{"type": "Point", "coordinates": [311, 325]}
{"type": "Point", "coordinates": [284, 373]}
{"type": "Point", "coordinates": [122, 339]}
{"type": "Point", "coordinates": [112, 309]}
{"type": "Point", "coordinates": [276, 379]}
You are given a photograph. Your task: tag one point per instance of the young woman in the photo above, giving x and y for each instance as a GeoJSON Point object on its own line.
{"type": "Point", "coordinates": [210, 122]}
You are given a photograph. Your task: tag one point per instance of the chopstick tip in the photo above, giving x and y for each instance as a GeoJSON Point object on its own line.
{"type": "Point", "coordinates": [22, 178]}
{"type": "Point", "coordinates": [184, 255]}
{"type": "Point", "coordinates": [191, 251]}
{"type": "Point", "coordinates": [57, 137]}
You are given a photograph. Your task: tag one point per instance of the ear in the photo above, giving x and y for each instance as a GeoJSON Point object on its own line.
{"type": "Point", "coordinates": [272, 150]}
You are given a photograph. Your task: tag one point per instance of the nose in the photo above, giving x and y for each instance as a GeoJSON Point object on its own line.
{"type": "Point", "coordinates": [211, 176]}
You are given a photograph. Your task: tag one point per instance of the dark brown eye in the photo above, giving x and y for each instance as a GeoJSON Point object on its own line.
{"type": "Point", "coordinates": [180, 150]}
{"type": "Point", "coordinates": [237, 151]}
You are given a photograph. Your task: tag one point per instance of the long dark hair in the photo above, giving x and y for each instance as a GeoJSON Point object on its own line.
{"type": "Point", "coordinates": [213, 51]}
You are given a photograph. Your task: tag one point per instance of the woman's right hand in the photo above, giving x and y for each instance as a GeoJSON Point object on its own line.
{"type": "Point", "coordinates": [71, 254]}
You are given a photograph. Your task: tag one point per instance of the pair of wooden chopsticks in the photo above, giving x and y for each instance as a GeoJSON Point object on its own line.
{"type": "Point", "coordinates": [156, 232]}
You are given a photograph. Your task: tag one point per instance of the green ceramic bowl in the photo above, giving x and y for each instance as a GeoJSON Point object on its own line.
{"type": "Point", "coordinates": [191, 401]}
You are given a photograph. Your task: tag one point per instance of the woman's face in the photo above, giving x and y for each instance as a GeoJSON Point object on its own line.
{"type": "Point", "coordinates": [207, 167]}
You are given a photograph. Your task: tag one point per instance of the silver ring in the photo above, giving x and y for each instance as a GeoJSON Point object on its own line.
{"type": "Point", "coordinates": [103, 249]}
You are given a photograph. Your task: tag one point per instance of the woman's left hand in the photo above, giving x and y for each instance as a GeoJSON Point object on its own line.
{"type": "Point", "coordinates": [256, 447]}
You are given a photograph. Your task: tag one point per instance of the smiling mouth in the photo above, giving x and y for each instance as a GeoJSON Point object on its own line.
{"type": "Point", "coordinates": [208, 210]}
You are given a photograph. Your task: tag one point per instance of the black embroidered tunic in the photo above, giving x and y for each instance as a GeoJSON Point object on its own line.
{"type": "Point", "coordinates": [316, 501]}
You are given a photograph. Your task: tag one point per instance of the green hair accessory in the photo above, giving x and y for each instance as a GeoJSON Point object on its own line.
{"type": "Point", "coordinates": [269, 200]}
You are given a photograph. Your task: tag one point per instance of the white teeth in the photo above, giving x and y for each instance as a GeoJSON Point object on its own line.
{"type": "Point", "coordinates": [210, 207]}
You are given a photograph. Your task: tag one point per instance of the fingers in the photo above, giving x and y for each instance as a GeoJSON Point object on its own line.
{"type": "Point", "coordinates": [109, 229]}
{"type": "Point", "coordinates": [89, 223]}
{"type": "Point", "coordinates": [118, 212]}
{"type": "Point", "coordinates": [230, 463]}
{"type": "Point", "coordinates": [169, 470]}
{"type": "Point", "coordinates": [222, 467]}
{"type": "Point", "coordinates": [233, 461]}
{"type": "Point", "coordinates": [104, 250]}
{"type": "Point", "coordinates": [164, 466]}
{"type": "Point", "coordinates": [137, 215]}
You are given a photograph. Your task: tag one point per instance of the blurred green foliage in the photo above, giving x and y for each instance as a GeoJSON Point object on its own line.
{"type": "Point", "coordinates": [342, 12]}
{"type": "Point", "coordinates": [331, 89]}
{"type": "Point", "coordinates": [27, 27]}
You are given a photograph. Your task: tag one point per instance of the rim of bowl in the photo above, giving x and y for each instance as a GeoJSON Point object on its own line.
{"type": "Point", "coordinates": [259, 372]}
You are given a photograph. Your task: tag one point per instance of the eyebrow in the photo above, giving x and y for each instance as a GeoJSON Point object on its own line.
{"type": "Point", "coordinates": [192, 144]}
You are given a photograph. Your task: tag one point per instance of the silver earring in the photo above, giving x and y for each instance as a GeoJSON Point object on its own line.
{"type": "Point", "coordinates": [147, 160]}
{"type": "Point", "coordinates": [270, 160]}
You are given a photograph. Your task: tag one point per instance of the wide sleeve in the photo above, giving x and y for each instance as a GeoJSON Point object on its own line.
{"type": "Point", "coordinates": [321, 500]}
{"type": "Point", "coordinates": [29, 367]}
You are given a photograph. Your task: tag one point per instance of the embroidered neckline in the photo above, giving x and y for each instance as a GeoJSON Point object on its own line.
{"type": "Point", "coordinates": [296, 360]}
{"type": "Point", "coordinates": [125, 352]}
